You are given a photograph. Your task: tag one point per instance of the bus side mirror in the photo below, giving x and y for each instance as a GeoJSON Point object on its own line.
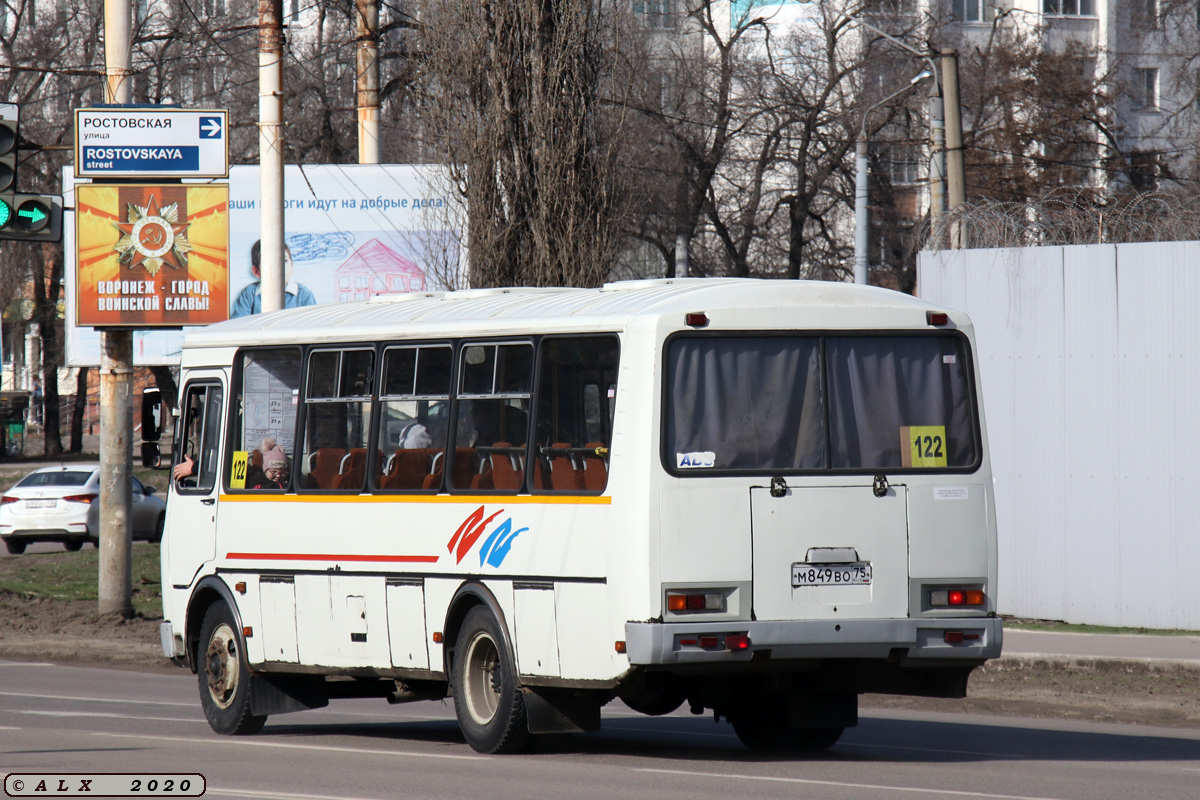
{"type": "Point", "coordinates": [152, 423]}
{"type": "Point", "coordinates": [151, 455]}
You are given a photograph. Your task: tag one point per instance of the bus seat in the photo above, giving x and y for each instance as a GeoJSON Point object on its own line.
{"type": "Point", "coordinates": [483, 480]}
{"type": "Point", "coordinates": [595, 468]}
{"type": "Point", "coordinates": [506, 471]}
{"type": "Point", "coordinates": [256, 458]}
{"type": "Point", "coordinates": [407, 469]}
{"type": "Point", "coordinates": [323, 466]}
{"type": "Point", "coordinates": [352, 470]}
{"type": "Point", "coordinates": [563, 475]}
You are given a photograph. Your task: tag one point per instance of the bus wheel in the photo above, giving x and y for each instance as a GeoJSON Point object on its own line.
{"type": "Point", "coordinates": [224, 675]}
{"type": "Point", "coordinates": [767, 730]}
{"type": "Point", "coordinates": [489, 705]}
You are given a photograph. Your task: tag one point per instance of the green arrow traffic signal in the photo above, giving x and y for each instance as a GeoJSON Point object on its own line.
{"type": "Point", "coordinates": [32, 216]}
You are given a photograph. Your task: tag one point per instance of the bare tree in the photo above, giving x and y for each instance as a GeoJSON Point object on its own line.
{"type": "Point", "coordinates": [512, 97]}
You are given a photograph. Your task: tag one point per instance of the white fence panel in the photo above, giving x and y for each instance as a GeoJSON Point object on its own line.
{"type": "Point", "coordinates": [1089, 373]}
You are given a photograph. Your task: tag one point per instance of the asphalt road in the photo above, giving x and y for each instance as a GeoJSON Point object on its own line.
{"type": "Point", "coordinates": [80, 720]}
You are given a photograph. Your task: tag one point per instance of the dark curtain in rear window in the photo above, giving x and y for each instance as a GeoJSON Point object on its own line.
{"type": "Point", "coordinates": [745, 403]}
{"type": "Point", "coordinates": [882, 387]}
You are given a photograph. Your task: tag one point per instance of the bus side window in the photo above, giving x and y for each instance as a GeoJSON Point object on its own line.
{"type": "Point", "coordinates": [415, 401]}
{"type": "Point", "coordinates": [574, 415]}
{"type": "Point", "coordinates": [263, 431]}
{"type": "Point", "coordinates": [200, 437]}
{"type": "Point", "coordinates": [492, 423]}
{"type": "Point", "coordinates": [337, 423]}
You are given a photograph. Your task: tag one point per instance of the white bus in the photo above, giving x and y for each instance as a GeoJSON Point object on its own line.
{"type": "Point", "coordinates": [758, 498]}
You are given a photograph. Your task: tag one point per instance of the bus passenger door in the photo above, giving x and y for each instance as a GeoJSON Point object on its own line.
{"type": "Point", "coordinates": [830, 552]}
{"type": "Point", "coordinates": [191, 532]}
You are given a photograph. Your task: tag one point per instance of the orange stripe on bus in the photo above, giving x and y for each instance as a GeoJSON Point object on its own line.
{"type": "Point", "coordinates": [328, 557]}
{"type": "Point", "coordinates": [431, 499]}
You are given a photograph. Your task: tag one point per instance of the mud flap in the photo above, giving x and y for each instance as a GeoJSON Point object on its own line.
{"type": "Point", "coordinates": [557, 711]}
{"type": "Point", "coordinates": [282, 694]}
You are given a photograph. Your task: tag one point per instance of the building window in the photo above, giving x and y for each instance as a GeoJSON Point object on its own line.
{"type": "Point", "coordinates": [890, 7]}
{"type": "Point", "coordinates": [1146, 14]}
{"type": "Point", "coordinates": [1069, 8]}
{"type": "Point", "coordinates": [972, 10]}
{"type": "Point", "coordinates": [1144, 171]}
{"type": "Point", "coordinates": [1144, 91]}
{"type": "Point", "coordinates": [905, 165]}
{"type": "Point", "coordinates": [657, 13]}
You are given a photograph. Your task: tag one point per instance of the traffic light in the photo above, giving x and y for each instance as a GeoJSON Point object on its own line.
{"type": "Point", "coordinates": [9, 122]}
{"type": "Point", "coordinates": [31, 217]}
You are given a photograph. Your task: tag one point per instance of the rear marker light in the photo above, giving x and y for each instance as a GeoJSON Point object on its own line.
{"type": "Point", "coordinates": [952, 637]}
{"type": "Point", "coordinates": [937, 317]}
{"type": "Point", "coordinates": [737, 641]}
{"type": "Point", "coordinates": [696, 320]}
{"type": "Point", "coordinates": [708, 641]}
{"type": "Point", "coordinates": [956, 597]}
{"type": "Point", "coordinates": [709, 601]}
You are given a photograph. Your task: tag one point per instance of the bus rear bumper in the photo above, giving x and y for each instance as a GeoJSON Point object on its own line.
{"type": "Point", "coordinates": [913, 642]}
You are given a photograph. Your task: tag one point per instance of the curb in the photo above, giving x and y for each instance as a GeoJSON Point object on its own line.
{"type": "Point", "coordinates": [1097, 664]}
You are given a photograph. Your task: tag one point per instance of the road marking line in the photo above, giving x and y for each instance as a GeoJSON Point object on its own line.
{"type": "Point", "coordinates": [96, 699]}
{"type": "Point", "coordinates": [104, 716]}
{"type": "Point", "coordinates": [25, 664]}
{"type": "Point", "coordinates": [281, 795]}
{"type": "Point", "coordinates": [8, 728]}
{"type": "Point", "coordinates": [242, 742]}
{"type": "Point", "coordinates": [840, 784]}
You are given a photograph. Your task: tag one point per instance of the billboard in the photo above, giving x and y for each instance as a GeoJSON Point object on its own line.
{"type": "Point", "coordinates": [352, 231]}
{"type": "Point", "coordinates": [151, 255]}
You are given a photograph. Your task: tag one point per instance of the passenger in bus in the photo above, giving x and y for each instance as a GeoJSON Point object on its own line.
{"type": "Point", "coordinates": [185, 468]}
{"type": "Point", "coordinates": [271, 450]}
{"type": "Point", "coordinates": [414, 436]}
{"type": "Point", "coordinates": [275, 474]}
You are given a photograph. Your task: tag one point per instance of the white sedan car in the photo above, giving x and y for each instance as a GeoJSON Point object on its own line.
{"type": "Point", "coordinates": [62, 504]}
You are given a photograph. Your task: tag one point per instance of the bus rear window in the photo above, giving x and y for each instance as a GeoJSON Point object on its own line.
{"type": "Point", "coordinates": [807, 403]}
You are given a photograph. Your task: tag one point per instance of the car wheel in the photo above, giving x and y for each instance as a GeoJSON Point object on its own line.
{"type": "Point", "coordinates": [224, 675]}
{"type": "Point", "coordinates": [14, 547]}
{"type": "Point", "coordinates": [73, 545]}
{"type": "Point", "coordinates": [159, 527]}
{"type": "Point", "coordinates": [487, 700]}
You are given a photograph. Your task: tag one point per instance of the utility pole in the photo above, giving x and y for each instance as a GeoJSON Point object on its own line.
{"type": "Point", "coordinates": [116, 376]}
{"type": "Point", "coordinates": [270, 151]}
{"type": "Point", "coordinates": [956, 181]}
{"type": "Point", "coordinates": [368, 81]}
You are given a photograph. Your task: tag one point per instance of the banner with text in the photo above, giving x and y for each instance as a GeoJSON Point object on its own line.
{"type": "Point", "coordinates": [151, 255]}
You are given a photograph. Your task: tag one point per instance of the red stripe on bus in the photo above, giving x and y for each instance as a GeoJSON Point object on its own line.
{"type": "Point", "coordinates": [328, 557]}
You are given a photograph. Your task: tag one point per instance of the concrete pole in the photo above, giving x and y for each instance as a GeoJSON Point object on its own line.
{"type": "Point", "coordinates": [682, 267]}
{"type": "Point", "coordinates": [956, 180]}
{"type": "Point", "coordinates": [270, 151]}
{"type": "Point", "coordinates": [937, 169]}
{"type": "Point", "coordinates": [116, 377]}
{"type": "Point", "coordinates": [862, 214]}
{"type": "Point", "coordinates": [368, 81]}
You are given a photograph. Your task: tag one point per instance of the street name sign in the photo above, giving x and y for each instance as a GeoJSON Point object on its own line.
{"type": "Point", "coordinates": [151, 142]}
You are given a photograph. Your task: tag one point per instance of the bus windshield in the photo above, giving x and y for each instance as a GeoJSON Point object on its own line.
{"type": "Point", "coordinates": [820, 402]}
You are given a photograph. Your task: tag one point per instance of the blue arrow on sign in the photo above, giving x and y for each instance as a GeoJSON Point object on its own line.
{"type": "Point", "coordinates": [210, 127]}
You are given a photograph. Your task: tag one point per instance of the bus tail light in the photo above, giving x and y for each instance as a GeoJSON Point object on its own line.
{"type": "Point", "coordinates": [695, 601]}
{"type": "Point", "coordinates": [737, 641]}
{"type": "Point", "coordinates": [948, 598]}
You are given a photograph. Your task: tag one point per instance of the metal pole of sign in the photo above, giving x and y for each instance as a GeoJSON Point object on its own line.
{"type": "Point", "coordinates": [116, 378]}
{"type": "Point", "coordinates": [368, 81]}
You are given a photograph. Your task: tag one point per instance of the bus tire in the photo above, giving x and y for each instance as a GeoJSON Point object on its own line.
{"type": "Point", "coordinates": [767, 730]}
{"type": "Point", "coordinates": [225, 675]}
{"type": "Point", "coordinates": [489, 704]}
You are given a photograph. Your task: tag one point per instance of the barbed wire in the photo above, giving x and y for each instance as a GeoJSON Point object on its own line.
{"type": "Point", "coordinates": [1064, 217]}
